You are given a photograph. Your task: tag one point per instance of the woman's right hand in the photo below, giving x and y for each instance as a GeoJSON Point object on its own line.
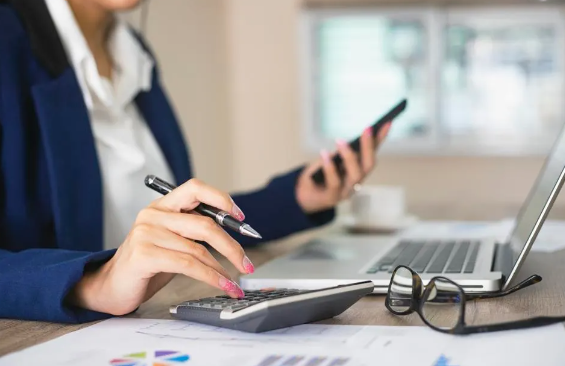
{"type": "Point", "coordinates": [162, 244]}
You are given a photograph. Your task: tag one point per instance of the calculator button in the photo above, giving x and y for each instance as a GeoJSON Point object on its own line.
{"type": "Point", "coordinates": [247, 293]}
{"type": "Point", "coordinates": [234, 308]}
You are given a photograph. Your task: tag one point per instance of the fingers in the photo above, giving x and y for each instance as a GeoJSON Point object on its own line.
{"type": "Point", "coordinates": [199, 228]}
{"type": "Point", "coordinates": [354, 172]}
{"type": "Point", "coordinates": [166, 239]}
{"type": "Point", "coordinates": [333, 182]}
{"type": "Point", "coordinates": [165, 260]}
{"type": "Point", "coordinates": [192, 193]}
{"type": "Point", "coordinates": [367, 150]}
{"type": "Point", "coordinates": [383, 133]}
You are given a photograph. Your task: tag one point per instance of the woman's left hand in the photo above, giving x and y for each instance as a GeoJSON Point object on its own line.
{"type": "Point", "coordinates": [313, 198]}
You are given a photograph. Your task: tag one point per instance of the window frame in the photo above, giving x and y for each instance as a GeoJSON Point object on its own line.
{"type": "Point", "coordinates": [435, 19]}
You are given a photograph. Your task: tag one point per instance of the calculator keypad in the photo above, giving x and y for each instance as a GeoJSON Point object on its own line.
{"type": "Point", "coordinates": [225, 302]}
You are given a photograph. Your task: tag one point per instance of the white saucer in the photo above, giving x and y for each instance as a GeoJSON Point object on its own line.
{"type": "Point", "coordinates": [353, 224]}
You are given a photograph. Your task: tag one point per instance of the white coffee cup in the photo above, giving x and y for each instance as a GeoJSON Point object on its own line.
{"type": "Point", "coordinates": [378, 204]}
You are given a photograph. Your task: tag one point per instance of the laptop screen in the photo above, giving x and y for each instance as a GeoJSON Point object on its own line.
{"type": "Point", "coordinates": [539, 201]}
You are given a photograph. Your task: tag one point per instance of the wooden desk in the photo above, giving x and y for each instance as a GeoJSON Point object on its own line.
{"type": "Point", "coordinates": [545, 298]}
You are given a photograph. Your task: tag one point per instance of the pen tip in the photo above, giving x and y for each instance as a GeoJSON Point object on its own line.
{"type": "Point", "coordinates": [249, 231]}
{"type": "Point", "coordinates": [149, 180]}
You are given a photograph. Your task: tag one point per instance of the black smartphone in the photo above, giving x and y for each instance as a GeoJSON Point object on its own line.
{"type": "Point", "coordinates": [318, 175]}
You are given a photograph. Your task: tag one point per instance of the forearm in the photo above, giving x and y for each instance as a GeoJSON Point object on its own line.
{"type": "Point", "coordinates": [275, 212]}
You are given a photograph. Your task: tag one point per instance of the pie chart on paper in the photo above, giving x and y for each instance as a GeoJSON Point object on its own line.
{"type": "Point", "coordinates": [157, 358]}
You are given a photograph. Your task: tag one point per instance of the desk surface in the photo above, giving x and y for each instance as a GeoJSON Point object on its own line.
{"type": "Point", "coordinates": [545, 298]}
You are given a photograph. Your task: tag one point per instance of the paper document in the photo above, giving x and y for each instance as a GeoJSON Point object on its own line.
{"type": "Point", "coordinates": [140, 342]}
{"type": "Point", "coordinates": [309, 335]}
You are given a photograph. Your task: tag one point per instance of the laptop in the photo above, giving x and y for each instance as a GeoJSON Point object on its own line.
{"type": "Point", "coordinates": [478, 265]}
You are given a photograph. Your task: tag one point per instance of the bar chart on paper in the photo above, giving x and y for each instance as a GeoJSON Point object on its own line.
{"type": "Point", "coordinates": [278, 360]}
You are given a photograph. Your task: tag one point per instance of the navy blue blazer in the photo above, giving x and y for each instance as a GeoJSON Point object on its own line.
{"type": "Point", "coordinates": [50, 183]}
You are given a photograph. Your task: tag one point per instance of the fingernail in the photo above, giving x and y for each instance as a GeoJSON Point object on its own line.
{"type": "Point", "coordinates": [340, 142]}
{"type": "Point", "coordinates": [384, 131]}
{"type": "Point", "coordinates": [325, 156]}
{"type": "Point", "coordinates": [237, 213]}
{"type": "Point", "coordinates": [231, 287]}
{"type": "Point", "coordinates": [368, 131]}
{"type": "Point", "coordinates": [247, 265]}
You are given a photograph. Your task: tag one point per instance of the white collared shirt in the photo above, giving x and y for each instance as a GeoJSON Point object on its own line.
{"type": "Point", "coordinates": [127, 150]}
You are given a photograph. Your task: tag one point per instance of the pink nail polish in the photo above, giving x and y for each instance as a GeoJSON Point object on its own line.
{"type": "Point", "coordinates": [237, 213]}
{"type": "Point", "coordinates": [340, 142]}
{"type": "Point", "coordinates": [368, 131]}
{"type": "Point", "coordinates": [231, 287]}
{"type": "Point", "coordinates": [248, 266]}
{"type": "Point", "coordinates": [325, 156]}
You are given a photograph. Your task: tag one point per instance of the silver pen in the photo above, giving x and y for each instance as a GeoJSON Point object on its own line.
{"type": "Point", "coordinates": [223, 218]}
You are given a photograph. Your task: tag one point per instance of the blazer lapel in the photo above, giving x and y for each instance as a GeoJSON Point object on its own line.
{"type": "Point", "coordinates": [162, 122]}
{"type": "Point", "coordinates": [74, 172]}
{"type": "Point", "coordinates": [73, 161]}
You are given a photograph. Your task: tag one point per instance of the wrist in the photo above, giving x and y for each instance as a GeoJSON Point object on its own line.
{"type": "Point", "coordinates": [87, 292]}
{"type": "Point", "coordinates": [309, 205]}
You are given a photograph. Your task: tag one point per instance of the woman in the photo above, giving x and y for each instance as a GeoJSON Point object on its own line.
{"type": "Point", "coordinates": [83, 119]}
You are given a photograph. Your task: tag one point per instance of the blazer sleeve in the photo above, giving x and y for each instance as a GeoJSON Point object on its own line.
{"type": "Point", "coordinates": [274, 211]}
{"type": "Point", "coordinates": [35, 284]}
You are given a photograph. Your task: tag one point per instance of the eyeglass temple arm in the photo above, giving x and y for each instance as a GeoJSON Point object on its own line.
{"type": "Point", "coordinates": [532, 280]}
{"type": "Point", "coordinates": [520, 324]}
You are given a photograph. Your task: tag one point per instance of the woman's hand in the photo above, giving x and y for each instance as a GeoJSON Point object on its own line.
{"type": "Point", "coordinates": [313, 198]}
{"type": "Point", "coordinates": [160, 245]}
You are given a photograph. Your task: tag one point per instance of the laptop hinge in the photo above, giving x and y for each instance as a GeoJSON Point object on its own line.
{"type": "Point", "coordinates": [502, 259]}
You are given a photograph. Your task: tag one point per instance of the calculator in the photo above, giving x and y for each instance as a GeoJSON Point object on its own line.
{"type": "Point", "coordinates": [270, 309]}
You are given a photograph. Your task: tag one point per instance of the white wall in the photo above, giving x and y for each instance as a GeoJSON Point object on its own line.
{"type": "Point", "coordinates": [188, 37]}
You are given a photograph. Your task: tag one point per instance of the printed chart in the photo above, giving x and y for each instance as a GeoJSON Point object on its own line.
{"type": "Point", "coordinates": [278, 360]}
{"type": "Point", "coordinates": [443, 361]}
{"type": "Point", "coordinates": [157, 358]}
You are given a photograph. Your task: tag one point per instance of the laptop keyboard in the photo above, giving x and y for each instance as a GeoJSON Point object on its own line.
{"type": "Point", "coordinates": [433, 257]}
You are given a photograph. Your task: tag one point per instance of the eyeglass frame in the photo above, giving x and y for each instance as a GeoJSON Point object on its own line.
{"type": "Point", "coordinates": [461, 328]}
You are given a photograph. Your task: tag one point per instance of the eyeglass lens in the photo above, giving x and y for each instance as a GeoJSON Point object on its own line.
{"type": "Point", "coordinates": [400, 294]}
{"type": "Point", "coordinates": [442, 304]}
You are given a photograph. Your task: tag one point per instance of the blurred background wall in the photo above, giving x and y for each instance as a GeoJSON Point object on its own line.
{"type": "Point", "coordinates": [233, 70]}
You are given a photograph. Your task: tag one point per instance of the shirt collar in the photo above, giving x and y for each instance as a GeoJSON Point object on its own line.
{"type": "Point", "coordinates": [133, 66]}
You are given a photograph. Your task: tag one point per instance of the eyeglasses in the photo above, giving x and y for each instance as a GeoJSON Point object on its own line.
{"type": "Point", "coordinates": [441, 304]}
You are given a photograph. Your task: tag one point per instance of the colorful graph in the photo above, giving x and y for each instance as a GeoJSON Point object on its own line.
{"type": "Point", "coordinates": [157, 358]}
